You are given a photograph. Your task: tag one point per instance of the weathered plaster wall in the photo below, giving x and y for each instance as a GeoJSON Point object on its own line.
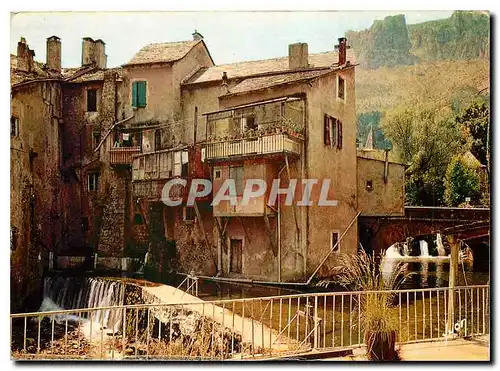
{"type": "Point", "coordinates": [384, 198]}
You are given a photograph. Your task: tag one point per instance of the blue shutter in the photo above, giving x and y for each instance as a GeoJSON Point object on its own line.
{"type": "Point", "coordinates": [141, 93]}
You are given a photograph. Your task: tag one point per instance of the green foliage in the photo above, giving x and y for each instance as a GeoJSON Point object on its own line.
{"type": "Point", "coordinates": [461, 182]}
{"type": "Point", "coordinates": [474, 121]}
{"type": "Point", "coordinates": [425, 139]}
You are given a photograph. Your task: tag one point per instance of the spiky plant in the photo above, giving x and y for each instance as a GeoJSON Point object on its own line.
{"type": "Point", "coordinates": [363, 272]}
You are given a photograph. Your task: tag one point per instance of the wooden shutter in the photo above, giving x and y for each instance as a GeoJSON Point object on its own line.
{"type": "Point", "coordinates": [339, 134]}
{"type": "Point", "coordinates": [141, 93]}
{"type": "Point", "coordinates": [326, 130]}
{"type": "Point", "coordinates": [333, 132]}
{"type": "Point", "coordinates": [134, 94]}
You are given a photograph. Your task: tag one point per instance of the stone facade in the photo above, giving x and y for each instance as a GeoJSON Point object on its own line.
{"type": "Point", "coordinates": [94, 138]}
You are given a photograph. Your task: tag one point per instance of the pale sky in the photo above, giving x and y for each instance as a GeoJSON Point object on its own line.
{"type": "Point", "coordinates": [230, 36]}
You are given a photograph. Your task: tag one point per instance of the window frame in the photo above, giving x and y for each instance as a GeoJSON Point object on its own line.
{"type": "Point", "coordinates": [14, 126]}
{"type": "Point", "coordinates": [93, 185]}
{"type": "Point", "coordinates": [136, 94]}
{"type": "Point", "coordinates": [344, 90]}
{"type": "Point", "coordinates": [332, 233]}
{"type": "Point", "coordinates": [96, 134]}
{"type": "Point", "coordinates": [87, 101]}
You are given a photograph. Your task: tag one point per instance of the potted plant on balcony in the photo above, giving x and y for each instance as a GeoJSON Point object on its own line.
{"type": "Point", "coordinates": [377, 278]}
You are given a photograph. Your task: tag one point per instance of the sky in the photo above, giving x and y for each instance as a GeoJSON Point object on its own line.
{"type": "Point", "coordinates": [230, 36]}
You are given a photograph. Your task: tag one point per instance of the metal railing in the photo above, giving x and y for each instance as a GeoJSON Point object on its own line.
{"type": "Point", "coordinates": [189, 285]}
{"type": "Point", "coordinates": [244, 328]}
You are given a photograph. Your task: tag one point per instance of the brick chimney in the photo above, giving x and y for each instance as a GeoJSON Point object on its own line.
{"type": "Point", "coordinates": [298, 56]}
{"type": "Point", "coordinates": [342, 48]}
{"type": "Point", "coordinates": [88, 51]}
{"type": "Point", "coordinates": [25, 56]}
{"type": "Point", "coordinates": [197, 36]}
{"type": "Point", "coordinates": [224, 85]}
{"type": "Point", "coordinates": [100, 53]}
{"type": "Point", "coordinates": [54, 54]}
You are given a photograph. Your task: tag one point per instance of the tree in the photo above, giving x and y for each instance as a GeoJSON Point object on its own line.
{"type": "Point", "coordinates": [425, 139]}
{"type": "Point", "coordinates": [461, 182]}
{"type": "Point", "coordinates": [474, 121]}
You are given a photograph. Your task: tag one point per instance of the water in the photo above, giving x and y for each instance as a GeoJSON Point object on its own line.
{"type": "Point", "coordinates": [75, 293]}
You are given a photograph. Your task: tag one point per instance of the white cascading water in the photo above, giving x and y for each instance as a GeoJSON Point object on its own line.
{"type": "Point", "coordinates": [424, 248]}
{"type": "Point", "coordinates": [75, 293]}
{"type": "Point", "coordinates": [439, 245]}
{"type": "Point", "coordinates": [393, 251]}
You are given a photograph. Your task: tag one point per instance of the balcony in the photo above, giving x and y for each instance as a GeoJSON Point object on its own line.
{"type": "Point", "coordinates": [267, 144]}
{"type": "Point", "coordinates": [123, 155]}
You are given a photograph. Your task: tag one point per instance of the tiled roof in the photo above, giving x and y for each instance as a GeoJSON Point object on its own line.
{"type": "Point", "coordinates": [249, 68]}
{"type": "Point", "coordinates": [97, 75]}
{"type": "Point", "coordinates": [162, 53]}
{"type": "Point", "coordinates": [263, 82]}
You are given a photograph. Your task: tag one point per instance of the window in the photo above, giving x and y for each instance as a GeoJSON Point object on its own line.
{"type": "Point", "coordinates": [14, 126]}
{"type": "Point", "coordinates": [139, 94]}
{"type": "Point", "coordinates": [157, 140]}
{"type": "Point", "coordinates": [181, 163]}
{"type": "Point", "coordinates": [93, 180]}
{"type": "Point", "coordinates": [96, 139]}
{"type": "Point", "coordinates": [138, 219]}
{"type": "Point", "coordinates": [91, 100]}
{"type": "Point", "coordinates": [341, 88]}
{"type": "Point", "coordinates": [333, 240]}
{"type": "Point", "coordinates": [249, 123]}
{"type": "Point", "coordinates": [185, 163]}
{"type": "Point", "coordinates": [332, 132]}
{"type": "Point", "coordinates": [236, 173]}
{"type": "Point", "coordinates": [217, 173]}
{"type": "Point", "coordinates": [369, 185]}
{"type": "Point", "coordinates": [85, 224]}
{"type": "Point", "coordinates": [189, 214]}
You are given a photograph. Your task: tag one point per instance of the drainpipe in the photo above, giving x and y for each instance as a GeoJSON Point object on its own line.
{"type": "Point", "coordinates": [279, 229]}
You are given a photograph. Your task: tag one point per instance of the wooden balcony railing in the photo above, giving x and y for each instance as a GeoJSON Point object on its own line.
{"type": "Point", "coordinates": [262, 145]}
{"type": "Point", "coordinates": [123, 155]}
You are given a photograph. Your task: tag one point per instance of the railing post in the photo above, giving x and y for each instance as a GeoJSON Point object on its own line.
{"type": "Point", "coordinates": [316, 337]}
{"type": "Point", "coordinates": [454, 243]}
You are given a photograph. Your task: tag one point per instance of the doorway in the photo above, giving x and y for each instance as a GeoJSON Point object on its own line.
{"type": "Point", "coordinates": [236, 256]}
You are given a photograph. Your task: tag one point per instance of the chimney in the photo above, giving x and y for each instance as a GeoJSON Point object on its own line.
{"type": "Point", "coordinates": [88, 52]}
{"type": "Point", "coordinates": [298, 56]}
{"type": "Point", "coordinates": [197, 36]}
{"type": "Point", "coordinates": [342, 48]}
{"type": "Point", "coordinates": [54, 54]}
{"type": "Point", "coordinates": [225, 86]}
{"type": "Point", "coordinates": [24, 56]}
{"type": "Point", "coordinates": [99, 53]}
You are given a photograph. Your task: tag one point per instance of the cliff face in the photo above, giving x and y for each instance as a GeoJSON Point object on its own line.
{"type": "Point", "coordinates": [391, 42]}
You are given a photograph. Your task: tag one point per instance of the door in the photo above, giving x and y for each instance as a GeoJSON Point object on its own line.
{"type": "Point", "coordinates": [236, 255]}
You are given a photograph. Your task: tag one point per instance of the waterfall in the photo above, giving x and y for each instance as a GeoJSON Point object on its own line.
{"type": "Point", "coordinates": [439, 245]}
{"type": "Point", "coordinates": [424, 248]}
{"type": "Point", "coordinates": [76, 293]}
{"type": "Point", "coordinates": [393, 251]}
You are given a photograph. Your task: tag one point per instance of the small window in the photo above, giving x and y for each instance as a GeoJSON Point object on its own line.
{"type": "Point", "coordinates": [93, 181]}
{"type": "Point", "coordinates": [236, 173]}
{"type": "Point", "coordinates": [369, 185]}
{"type": "Point", "coordinates": [138, 219]}
{"type": "Point", "coordinates": [189, 214]}
{"type": "Point", "coordinates": [139, 94]}
{"type": "Point", "coordinates": [249, 123]}
{"type": "Point", "coordinates": [332, 132]}
{"type": "Point", "coordinates": [14, 126]}
{"type": "Point", "coordinates": [96, 139]}
{"type": "Point", "coordinates": [333, 241]}
{"type": "Point", "coordinates": [185, 163]}
{"type": "Point", "coordinates": [91, 100]}
{"type": "Point", "coordinates": [85, 223]}
{"type": "Point", "coordinates": [217, 173]}
{"type": "Point", "coordinates": [157, 140]}
{"type": "Point", "coordinates": [341, 88]}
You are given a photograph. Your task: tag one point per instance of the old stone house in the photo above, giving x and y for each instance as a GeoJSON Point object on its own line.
{"type": "Point", "coordinates": [112, 138]}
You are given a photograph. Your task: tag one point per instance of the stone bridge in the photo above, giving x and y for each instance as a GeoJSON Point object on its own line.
{"type": "Point", "coordinates": [381, 231]}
